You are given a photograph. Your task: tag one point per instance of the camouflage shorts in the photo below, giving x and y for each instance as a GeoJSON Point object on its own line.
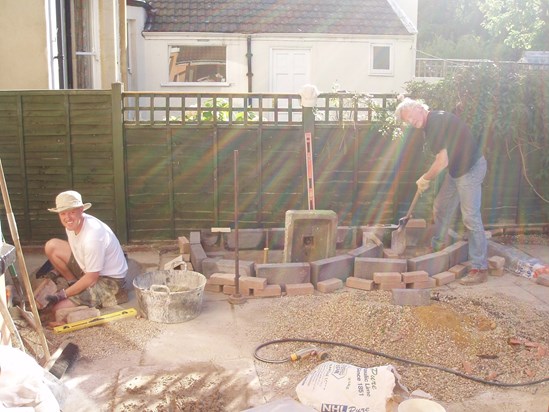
{"type": "Point", "coordinates": [102, 294]}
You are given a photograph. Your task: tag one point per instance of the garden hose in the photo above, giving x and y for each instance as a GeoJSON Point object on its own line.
{"type": "Point", "coordinates": [385, 355]}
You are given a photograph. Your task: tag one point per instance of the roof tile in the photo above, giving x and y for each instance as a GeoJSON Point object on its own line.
{"type": "Point", "coordinates": [369, 17]}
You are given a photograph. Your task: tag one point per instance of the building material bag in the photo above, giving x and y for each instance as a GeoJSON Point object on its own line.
{"type": "Point", "coordinates": [333, 386]}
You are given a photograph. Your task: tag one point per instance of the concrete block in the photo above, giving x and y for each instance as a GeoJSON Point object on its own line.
{"type": "Point", "coordinates": [346, 237]}
{"type": "Point", "coordinates": [416, 276]}
{"type": "Point", "coordinates": [221, 279]}
{"type": "Point", "coordinates": [432, 263]}
{"type": "Point", "coordinates": [457, 252]}
{"type": "Point", "coordinates": [44, 288]}
{"type": "Point", "coordinates": [459, 270]}
{"type": "Point", "coordinates": [387, 277]}
{"type": "Point", "coordinates": [340, 267]}
{"type": "Point", "coordinates": [422, 284]}
{"type": "Point", "coordinates": [245, 267]}
{"type": "Point", "coordinates": [390, 254]}
{"type": "Point", "coordinates": [391, 286]}
{"type": "Point", "coordinates": [194, 238]}
{"type": "Point", "coordinates": [184, 245]}
{"type": "Point", "coordinates": [329, 285]}
{"type": "Point", "coordinates": [444, 277]}
{"type": "Point", "coordinates": [416, 232]}
{"type": "Point", "coordinates": [366, 267]}
{"type": "Point", "coordinates": [370, 250]}
{"type": "Point", "coordinates": [269, 291]}
{"type": "Point", "coordinates": [248, 239]}
{"type": "Point", "coordinates": [300, 289]}
{"type": "Point", "coordinates": [229, 289]}
{"type": "Point", "coordinates": [310, 235]}
{"type": "Point", "coordinates": [197, 256]}
{"type": "Point", "coordinates": [83, 314]}
{"type": "Point", "coordinates": [61, 314]}
{"type": "Point", "coordinates": [284, 273]}
{"type": "Point", "coordinates": [357, 283]}
{"type": "Point", "coordinates": [412, 297]}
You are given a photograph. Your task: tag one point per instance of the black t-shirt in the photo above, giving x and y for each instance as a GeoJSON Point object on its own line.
{"type": "Point", "coordinates": [445, 130]}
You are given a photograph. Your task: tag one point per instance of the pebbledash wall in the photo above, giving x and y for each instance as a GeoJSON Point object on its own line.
{"type": "Point", "coordinates": [158, 165]}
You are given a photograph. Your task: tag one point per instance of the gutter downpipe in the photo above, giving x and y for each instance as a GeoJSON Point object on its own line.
{"type": "Point", "coordinates": [249, 58]}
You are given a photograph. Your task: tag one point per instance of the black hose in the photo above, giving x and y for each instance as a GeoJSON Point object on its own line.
{"type": "Point", "coordinates": [377, 353]}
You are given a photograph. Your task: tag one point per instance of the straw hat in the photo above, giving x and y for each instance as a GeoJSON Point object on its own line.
{"type": "Point", "coordinates": [68, 200]}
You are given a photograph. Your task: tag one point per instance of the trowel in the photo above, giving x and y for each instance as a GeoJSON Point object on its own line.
{"type": "Point", "coordinates": [398, 236]}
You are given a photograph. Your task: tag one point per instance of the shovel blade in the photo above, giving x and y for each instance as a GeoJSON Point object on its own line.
{"type": "Point", "coordinates": [398, 240]}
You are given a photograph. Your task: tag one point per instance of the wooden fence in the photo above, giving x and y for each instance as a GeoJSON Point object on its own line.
{"type": "Point", "coordinates": [157, 165]}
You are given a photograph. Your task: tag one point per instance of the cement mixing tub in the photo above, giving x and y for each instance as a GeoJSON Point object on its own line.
{"type": "Point", "coordinates": [170, 296]}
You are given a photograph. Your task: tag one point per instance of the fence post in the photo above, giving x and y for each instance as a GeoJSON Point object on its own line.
{"type": "Point", "coordinates": [118, 164]}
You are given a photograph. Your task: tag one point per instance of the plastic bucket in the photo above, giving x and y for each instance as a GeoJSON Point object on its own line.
{"type": "Point", "coordinates": [170, 296]}
{"type": "Point", "coordinates": [420, 405]}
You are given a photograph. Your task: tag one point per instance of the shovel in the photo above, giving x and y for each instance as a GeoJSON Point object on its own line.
{"type": "Point", "coordinates": [398, 237]}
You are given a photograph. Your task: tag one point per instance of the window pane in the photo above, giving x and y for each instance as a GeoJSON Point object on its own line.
{"type": "Point", "coordinates": [382, 58]}
{"type": "Point", "coordinates": [197, 63]}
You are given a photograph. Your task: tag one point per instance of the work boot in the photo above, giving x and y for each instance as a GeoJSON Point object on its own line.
{"type": "Point", "coordinates": [475, 276]}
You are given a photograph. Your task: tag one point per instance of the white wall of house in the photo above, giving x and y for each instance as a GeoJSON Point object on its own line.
{"type": "Point", "coordinates": [334, 60]}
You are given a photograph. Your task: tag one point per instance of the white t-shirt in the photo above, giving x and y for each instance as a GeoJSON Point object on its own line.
{"type": "Point", "coordinates": [96, 249]}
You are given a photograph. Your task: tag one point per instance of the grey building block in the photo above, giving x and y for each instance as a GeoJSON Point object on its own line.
{"type": "Point", "coordinates": [383, 232]}
{"type": "Point", "coordinates": [197, 256]}
{"type": "Point", "coordinates": [248, 239]}
{"type": "Point", "coordinates": [365, 267]}
{"type": "Point", "coordinates": [284, 273]}
{"type": "Point", "coordinates": [194, 238]}
{"type": "Point", "coordinates": [209, 266]}
{"type": "Point", "coordinates": [457, 253]}
{"type": "Point", "coordinates": [340, 267]}
{"type": "Point", "coordinates": [432, 263]}
{"type": "Point", "coordinates": [346, 237]}
{"type": "Point", "coordinates": [412, 297]}
{"type": "Point", "coordinates": [371, 250]}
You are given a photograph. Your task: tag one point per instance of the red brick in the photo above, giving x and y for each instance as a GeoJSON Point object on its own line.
{"type": "Point", "coordinates": [296, 289]}
{"type": "Point", "coordinates": [358, 283]}
{"type": "Point", "coordinates": [269, 291]}
{"type": "Point", "coordinates": [415, 276]}
{"type": "Point", "coordinates": [387, 277]}
{"type": "Point", "coordinates": [458, 270]}
{"type": "Point", "coordinates": [422, 284]}
{"type": "Point", "coordinates": [251, 282]}
{"type": "Point", "coordinates": [222, 279]}
{"type": "Point", "coordinates": [213, 288]}
{"type": "Point", "coordinates": [416, 223]}
{"type": "Point", "coordinates": [329, 285]}
{"type": "Point", "coordinates": [390, 254]}
{"type": "Point", "coordinates": [444, 277]}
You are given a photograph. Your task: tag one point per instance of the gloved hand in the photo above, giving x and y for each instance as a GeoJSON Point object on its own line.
{"type": "Point", "coordinates": [57, 297]}
{"type": "Point", "coordinates": [422, 184]}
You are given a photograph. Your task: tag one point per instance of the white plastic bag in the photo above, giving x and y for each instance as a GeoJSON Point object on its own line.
{"type": "Point", "coordinates": [333, 386]}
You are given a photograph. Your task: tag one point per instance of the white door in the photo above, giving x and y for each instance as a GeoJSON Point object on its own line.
{"type": "Point", "coordinates": [290, 70]}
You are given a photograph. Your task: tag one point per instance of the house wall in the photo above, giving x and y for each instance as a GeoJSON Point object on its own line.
{"type": "Point", "coordinates": [334, 60]}
{"type": "Point", "coordinates": [24, 62]}
{"type": "Point", "coordinates": [109, 44]}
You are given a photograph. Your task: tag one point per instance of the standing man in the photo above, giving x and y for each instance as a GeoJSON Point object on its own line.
{"type": "Point", "coordinates": [455, 148]}
{"type": "Point", "coordinates": [92, 260]}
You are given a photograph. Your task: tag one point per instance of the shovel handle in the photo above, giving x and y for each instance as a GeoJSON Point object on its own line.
{"type": "Point", "coordinates": [413, 204]}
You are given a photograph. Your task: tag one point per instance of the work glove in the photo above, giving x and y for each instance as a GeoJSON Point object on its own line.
{"type": "Point", "coordinates": [422, 184]}
{"type": "Point", "coordinates": [57, 297]}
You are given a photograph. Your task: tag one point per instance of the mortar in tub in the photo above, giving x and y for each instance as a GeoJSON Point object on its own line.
{"type": "Point", "coordinates": [170, 296]}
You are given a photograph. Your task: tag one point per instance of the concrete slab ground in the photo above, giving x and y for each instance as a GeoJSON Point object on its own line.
{"type": "Point", "coordinates": [218, 337]}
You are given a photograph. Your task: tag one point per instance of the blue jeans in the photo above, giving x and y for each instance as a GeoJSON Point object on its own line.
{"type": "Point", "coordinates": [466, 191]}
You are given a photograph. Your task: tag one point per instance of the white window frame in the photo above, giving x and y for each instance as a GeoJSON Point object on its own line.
{"type": "Point", "coordinates": [197, 84]}
{"type": "Point", "coordinates": [382, 72]}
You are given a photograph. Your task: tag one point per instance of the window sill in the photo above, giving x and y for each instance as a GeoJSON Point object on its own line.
{"type": "Point", "coordinates": [196, 84]}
